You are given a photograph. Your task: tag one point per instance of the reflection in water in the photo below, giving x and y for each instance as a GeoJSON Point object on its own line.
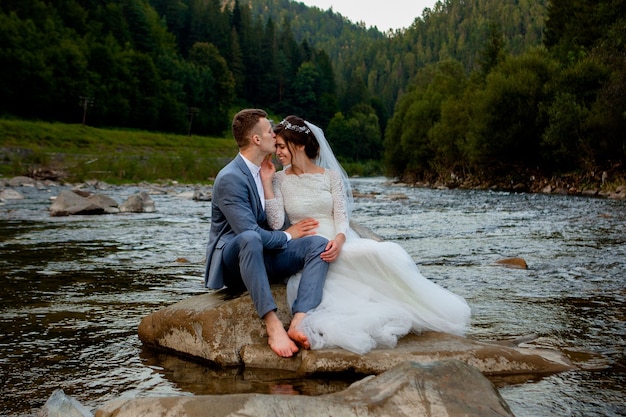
{"type": "Point", "coordinates": [202, 379]}
{"type": "Point", "coordinates": [75, 289]}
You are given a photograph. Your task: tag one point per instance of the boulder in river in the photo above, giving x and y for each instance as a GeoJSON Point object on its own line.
{"type": "Point", "coordinates": [227, 332]}
{"type": "Point", "coordinates": [138, 203]}
{"type": "Point", "coordinates": [11, 194]}
{"type": "Point", "coordinates": [447, 388]}
{"type": "Point", "coordinates": [21, 181]}
{"type": "Point", "coordinates": [70, 203]}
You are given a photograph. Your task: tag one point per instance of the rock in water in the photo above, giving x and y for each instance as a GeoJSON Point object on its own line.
{"type": "Point", "coordinates": [441, 389]}
{"type": "Point", "coordinates": [61, 405]}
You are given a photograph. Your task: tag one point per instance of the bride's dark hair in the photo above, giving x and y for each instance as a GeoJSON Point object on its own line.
{"type": "Point", "coordinates": [297, 133]}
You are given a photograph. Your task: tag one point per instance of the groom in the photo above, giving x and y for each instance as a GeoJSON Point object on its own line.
{"type": "Point", "coordinates": [243, 253]}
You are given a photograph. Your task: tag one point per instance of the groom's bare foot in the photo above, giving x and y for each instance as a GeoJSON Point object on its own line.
{"type": "Point", "coordinates": [297, 335]}
{"type": "Point", "coordinates": [278, 339]}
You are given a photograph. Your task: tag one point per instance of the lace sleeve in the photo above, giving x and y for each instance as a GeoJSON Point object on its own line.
{"type": "Point", "coordinates": [340, 209]}
{"type": "Point", "coordinates": [275, 208]}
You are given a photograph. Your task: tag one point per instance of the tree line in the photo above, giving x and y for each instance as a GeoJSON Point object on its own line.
{"type": "Point", "coordinates": [554, 108]}
{"type": "Point", "coordinates": [473, 86]}
{"type": "Point", "coordinates": [155, 65]}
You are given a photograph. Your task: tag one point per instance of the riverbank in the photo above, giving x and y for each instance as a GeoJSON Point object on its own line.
{"type": "Point", "coordinates": [607, 183]}
{"type": "Point", "coordinates": [78, 153]}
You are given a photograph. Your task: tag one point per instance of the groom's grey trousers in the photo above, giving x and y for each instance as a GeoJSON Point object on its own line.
{"type": "Point", "coordinates": [244, 260]}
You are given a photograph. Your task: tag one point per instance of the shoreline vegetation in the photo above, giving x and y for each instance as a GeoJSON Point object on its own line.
{"type": "Point", "coordinates": [79, 153]}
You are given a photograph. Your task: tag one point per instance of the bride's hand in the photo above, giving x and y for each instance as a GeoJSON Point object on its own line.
{"type": "Point", "coordinates": [267, 170]}
{"type": "Point", "coordinates": [333, 249]}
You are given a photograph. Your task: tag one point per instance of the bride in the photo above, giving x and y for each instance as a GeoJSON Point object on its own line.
{"type": "Point", "coordinates": [374, 293]}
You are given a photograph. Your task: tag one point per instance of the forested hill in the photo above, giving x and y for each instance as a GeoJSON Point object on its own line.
{"type": "Point", "coordinates": [132, 60]}
{"type": "Point", "coordinates": [371, 64]}
{"type": "Point", "coordinates": [479, 87]}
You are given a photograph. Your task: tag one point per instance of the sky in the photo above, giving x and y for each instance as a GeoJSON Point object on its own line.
{"type": "Point", "coordinates": [385, 14]}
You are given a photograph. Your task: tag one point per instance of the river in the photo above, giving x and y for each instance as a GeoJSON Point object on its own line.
{"type": "Point", "coordinates": [75, 289]}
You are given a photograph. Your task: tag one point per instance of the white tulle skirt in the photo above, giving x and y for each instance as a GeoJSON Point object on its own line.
{"type": "Point", "coordinates": [374, 294]}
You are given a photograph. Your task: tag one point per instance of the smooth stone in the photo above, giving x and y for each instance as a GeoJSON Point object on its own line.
{"type": "Point", "coordinates": [228, 332]}
{"type": "Point", "coordinates": [140, 202]}
{"type": "Point", "coordinates": [513, 263]}
{"type": "Point", "coordinates": [11, 194]}
{"type": "Point", "coordinates": [69, 203]}
{"type": "Point", "coordinates": [440, 389]}
{"type": "Point", "coordinates": [60, 404]}
{"type": "Point", "coordinates": [21, 181]}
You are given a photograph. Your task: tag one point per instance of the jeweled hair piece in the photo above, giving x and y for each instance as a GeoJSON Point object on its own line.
{"type": "Point", "coordinates": [295, 128]}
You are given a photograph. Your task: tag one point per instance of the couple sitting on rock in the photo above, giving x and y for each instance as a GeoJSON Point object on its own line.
{"type": "Point", "coordinates": [267, 226]}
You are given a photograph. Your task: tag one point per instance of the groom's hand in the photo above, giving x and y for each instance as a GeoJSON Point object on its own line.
{"type": "Point", "coordinates": [305, 227]}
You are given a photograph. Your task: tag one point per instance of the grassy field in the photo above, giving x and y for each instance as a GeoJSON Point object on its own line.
{"type": "Point", "coordinates": [75, 152]}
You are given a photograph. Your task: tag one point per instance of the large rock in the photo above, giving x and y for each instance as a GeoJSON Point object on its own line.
{"type": "Point", "coordinates": [11, 194]}
{"type": "Point", "coordinates": [138, 203]}
{"type": "Point", "coordinates": [69, 203]}
{"type": "Point", "coordinates": [22, 181]}
{"type": "Point", "coordinates": [439, 389]}
{"type": "Point", "coordinates": [227, 332]}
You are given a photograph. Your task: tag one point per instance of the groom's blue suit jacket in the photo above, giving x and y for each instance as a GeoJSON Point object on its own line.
{"type": "Point", "coordinates": [235, 207]}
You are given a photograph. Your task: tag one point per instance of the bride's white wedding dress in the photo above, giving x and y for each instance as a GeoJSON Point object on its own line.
{"type": "Point", "coordinates": [374, 293]}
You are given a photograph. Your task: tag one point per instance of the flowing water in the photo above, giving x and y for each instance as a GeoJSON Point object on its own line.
{"type": "Point", "coordinates": [74, 290]}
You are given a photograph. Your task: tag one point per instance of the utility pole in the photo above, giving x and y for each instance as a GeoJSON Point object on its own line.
{"type": "Point", "coordinates": [84, 103]}
{"type": "Point", "coordinates": [192, 111]}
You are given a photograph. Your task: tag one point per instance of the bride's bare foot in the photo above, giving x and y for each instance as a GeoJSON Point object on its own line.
{"type": "Point", "coordinates": [278, 339]}
{"type": "Point", "coordinates": [296, 335]}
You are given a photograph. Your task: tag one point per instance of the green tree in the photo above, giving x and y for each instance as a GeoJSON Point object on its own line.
{"type": "Point", "coordinates": [106, 68]}
{"type": "Point", "coordinates": [563, 140]}
{"type": "Point", "coordinates": [410, 145]}
{"type": "Point", "coordinates": [572, 27]}
{"type": "Point", "coordinates": [142, 84]}
{"type": "Point", "coordinates": [266, 66]}
{"type": "Point", "coordinates": [342, 133]}
{"type": "Point", "coordinates": [217, 86]}
{"type": "Point", "coordinates": [356, 138]}
{"type": "Point", "coordinates": [493, 52]}
{"type": "Point", "coordinates": [568, 141]}
{"type": "Point", "coordinates": [305, 88]}
{"type": "Point", "coordinates": [137, 14]}
{"type": "Point", "coordinates": [174, 12]}
{"type": "Point", "coordinates": [588, 37]}
{"type": "Point", "coordinates": [69, 81]}
{"type": "Point", "coordinates": [24, 74]}
{"type": "Point", "coordinates": [449, 136]}
{"type": "Point", "coordinates": [509, 121]}
{"type": "Point", "coordinates": [368, 144]}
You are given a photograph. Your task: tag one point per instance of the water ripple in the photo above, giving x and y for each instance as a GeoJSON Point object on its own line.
{"type": "Point", "coordinates": [75, 289]}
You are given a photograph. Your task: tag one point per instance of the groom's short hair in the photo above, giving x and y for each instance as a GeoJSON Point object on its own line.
{"type": "Point", "coordinates": [244, 122]}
